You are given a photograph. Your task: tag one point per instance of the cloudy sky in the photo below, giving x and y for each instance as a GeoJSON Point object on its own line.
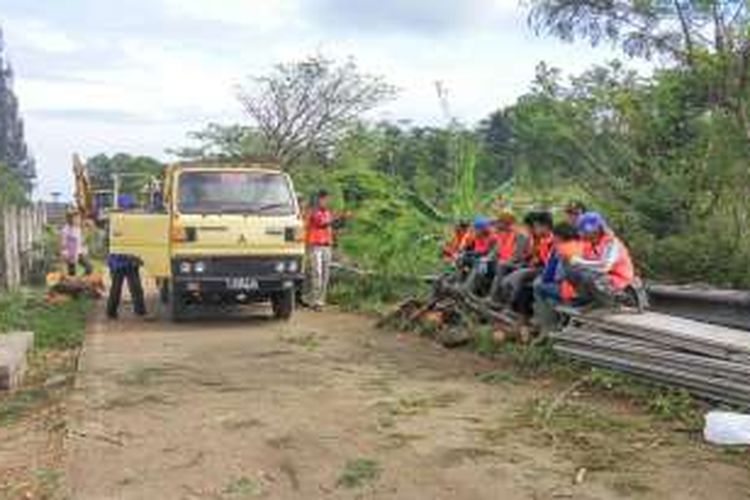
{"type": "Point", "coordinates": [136, 75]}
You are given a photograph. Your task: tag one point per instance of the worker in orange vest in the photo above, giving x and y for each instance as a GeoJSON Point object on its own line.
{"type": "Point", "coordinates": [459, 241]}
{"type": "Point", "coordinates": [517, 286]}
{"type": "Point", "coordinates": [479, 253]}
{"type": "Point", "coordinates": [512, 242]}
{"type": "Point", "coordinates": [553, 287]}
{"type": "Point", "coordinates": [319, 240]}
{"type": "Point", "coordinates": [605, 269]}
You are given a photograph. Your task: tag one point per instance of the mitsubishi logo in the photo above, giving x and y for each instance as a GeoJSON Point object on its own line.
{"type": "Point", "coordinates": [242, 240]}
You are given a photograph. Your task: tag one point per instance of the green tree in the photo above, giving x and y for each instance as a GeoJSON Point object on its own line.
{"type": "Point", "coordinates": [14, 153]}
{"type": "Point", "coordinates": [135, 171]}
{"type": "Point", "coordinates": [223, 142]}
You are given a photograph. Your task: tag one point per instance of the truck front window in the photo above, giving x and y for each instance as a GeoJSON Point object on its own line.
{"type": "Point", "coordinates": [234, 192]}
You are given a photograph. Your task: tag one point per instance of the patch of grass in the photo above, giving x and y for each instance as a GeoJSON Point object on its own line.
{"type": "Point", "coordinates": [419, 404]}
{"type": "Point", "coordinates": [49, 479]}
{"type": "Point", "coordinates": [374, 294]}
{"type": "Point", "coordinates": [484, 340]}
{"type": "Point", "coordinates": [456, 456]}
{"type": "Point", "coordinates": [20, 403]}
{"type": "Point", "coordinates": [242, 487]}
{"type": "Point", "coordinates": [665, 404]}
{"type": "Point", "coordinates": [399, 440]}
{"type": "Point", "coordinates": [146, 375]}
{"type": "Point", "coordinates": [58, 326]}
{"type": "Point", "coordinates": [359, 472]}
{"type": "Point", "coordinates": [235, 425]}
{"type": "Point", "coordinates": [588, 435]}
{"type": "Point", "coordinates": [497, 377]}
{"type": "Point", "coordinates": [121, 402]}
{"type": "Point", "coordinates": [309, 341]}
{"type": "Point", "coordinates": [630, 486]}
{"type": "Point", "coordinates": [532, 359]}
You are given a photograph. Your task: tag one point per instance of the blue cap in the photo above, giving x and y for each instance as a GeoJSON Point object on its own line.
{"type": "Point", "coordinates": [591, 222]}
{"type": "Point", "coordinates": [481, 223]}
{"type": "Point", "coordinates": [125, 202]}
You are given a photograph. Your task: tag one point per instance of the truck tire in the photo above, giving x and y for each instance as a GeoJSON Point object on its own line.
{"type": "Point", "coordinates": [282, 304]}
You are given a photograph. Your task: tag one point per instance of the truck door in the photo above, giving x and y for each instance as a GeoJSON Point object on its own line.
{"type": "Point", "coordinates": [142, 235]}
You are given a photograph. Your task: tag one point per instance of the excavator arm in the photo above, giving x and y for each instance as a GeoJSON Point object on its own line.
{"type": "Point", "coordinates": [84, 198]}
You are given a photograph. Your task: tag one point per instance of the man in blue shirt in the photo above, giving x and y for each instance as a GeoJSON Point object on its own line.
{"type": "Point", "coordinates": [125, 268]}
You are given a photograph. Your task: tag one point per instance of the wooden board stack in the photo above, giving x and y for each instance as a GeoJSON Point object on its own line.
{"type": "Point", "coordinates": [709, 361]}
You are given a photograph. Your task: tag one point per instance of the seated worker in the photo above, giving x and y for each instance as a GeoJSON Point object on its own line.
{"type": "Point", "coordinates": [458, 242]}
{"type": "Point", "coordinates": [125, 268]}
{"type": "Point", "coordinates": [552, 287]}
{"type": "Point", "coordinates": [478, 253]}
{"type": "Point", "coordinates": [516, 287]}
{"type": "Point", "coordinates": [605, 269]}
{"type": "Point", "coordinates": [512, 241]}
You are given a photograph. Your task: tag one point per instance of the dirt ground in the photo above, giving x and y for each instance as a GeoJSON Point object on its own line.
{"type": "Point", "coordinates": [326, 406]}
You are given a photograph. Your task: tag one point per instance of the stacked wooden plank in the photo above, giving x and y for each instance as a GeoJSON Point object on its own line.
{"type": "Point", "coordinates": [709, 361]}
{"type": "Point", "coordinates": [710, 305]}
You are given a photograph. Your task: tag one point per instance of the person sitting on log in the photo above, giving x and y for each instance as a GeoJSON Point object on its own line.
{"type": "Point", "coordinates": [605, 269]}
{"type": "Point", "coordinates": [459, 241]}
{"type": "Point", "coordinates": [479, 253]}
{"type": "Point", "coordinates": [517, 286]}
{"type": "Point", "coordinates": [512, 242]}
{"type": "Point", "coordinates": [553, 287]}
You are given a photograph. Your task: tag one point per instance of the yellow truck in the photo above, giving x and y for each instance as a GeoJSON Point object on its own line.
{"type": "Point", "coordinates": [219, 234]}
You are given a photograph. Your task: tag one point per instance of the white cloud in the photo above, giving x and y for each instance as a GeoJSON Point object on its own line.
{"type": "Point", "coordinates": [262, 15]}
{"type": "Point", "coordinates": [38, 35]}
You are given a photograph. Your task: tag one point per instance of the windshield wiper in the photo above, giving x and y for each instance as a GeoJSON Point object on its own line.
{"type": "Point", "coordinates": [270, 206]}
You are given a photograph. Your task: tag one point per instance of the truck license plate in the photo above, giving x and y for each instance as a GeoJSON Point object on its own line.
{"type": "Point", "coordinates": [236, 283]}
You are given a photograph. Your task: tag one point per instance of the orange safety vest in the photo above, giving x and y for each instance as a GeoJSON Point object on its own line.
{"type": "Point", "coordinates": [483, 243]}
{"type": "Point", "coordinates": [622, 272]}
{"type": "Point", "coordinates": [458, 242]}
{"type": "Point", "coordinates": [506, 245]}
{"type": "Point", "coordinates": [319, 230]}
{"type": "Point", "coordinates": [541, 249]}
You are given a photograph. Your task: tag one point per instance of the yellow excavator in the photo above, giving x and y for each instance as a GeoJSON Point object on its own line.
{"type": "Point", "coordinates": [83, 195]}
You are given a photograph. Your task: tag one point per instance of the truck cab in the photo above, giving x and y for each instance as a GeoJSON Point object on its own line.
{"type": "Point", "coordinates": [226, 234]}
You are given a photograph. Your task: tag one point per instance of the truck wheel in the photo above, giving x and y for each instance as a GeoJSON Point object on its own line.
{"type": "Point", "coordinates": [282, 304]}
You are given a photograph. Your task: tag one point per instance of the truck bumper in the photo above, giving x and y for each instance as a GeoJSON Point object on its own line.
{"type": "Point", "coordinates": [229, 277]}
{"type": "Point", "coordinates": [236, 285]}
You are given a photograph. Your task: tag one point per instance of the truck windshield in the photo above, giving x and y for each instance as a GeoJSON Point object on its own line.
{"type": "Point", "coordinates": [234, 192]}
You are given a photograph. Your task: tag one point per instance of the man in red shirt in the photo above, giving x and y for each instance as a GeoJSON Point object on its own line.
{"type": "Point", "coordinates": [319, 239]}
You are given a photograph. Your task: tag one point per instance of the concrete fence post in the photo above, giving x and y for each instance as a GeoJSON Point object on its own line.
{"type": "Point", "coordinates": [12, 262]}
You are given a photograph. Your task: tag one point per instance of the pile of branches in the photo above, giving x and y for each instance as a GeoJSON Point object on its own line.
{"type": "Point", "coordinates": [61, 288]}
{"type": "Point", "coordinates": [450, 314]}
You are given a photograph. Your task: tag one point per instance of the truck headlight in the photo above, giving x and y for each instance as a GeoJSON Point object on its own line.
{"type": "Point", "coordinates": [185, 267]}
{"type": "Point", "coordinates": [279, 267]}
{"type": "Point", "coordinates": [200, 267]}
{"type": "Point", "coordinates": [292, 267]}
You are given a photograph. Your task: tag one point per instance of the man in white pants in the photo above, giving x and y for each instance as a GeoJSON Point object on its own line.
{"type": "Point", "coordinates": [319, 243]}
